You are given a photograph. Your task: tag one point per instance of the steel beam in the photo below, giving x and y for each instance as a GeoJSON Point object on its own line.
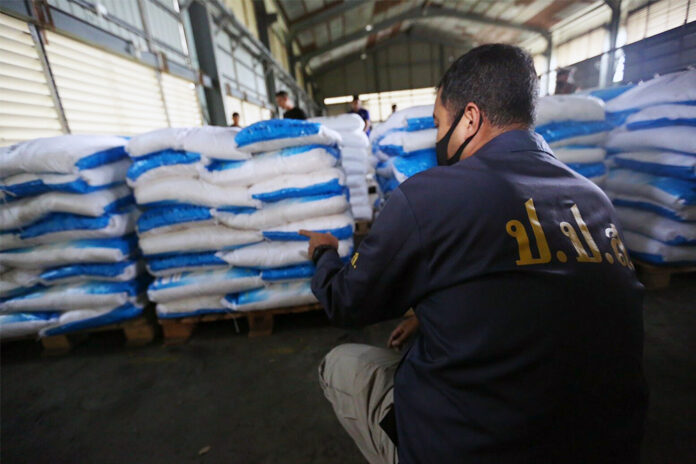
{"type": "Point", "coordinates": [323, 16]}
{"type": "Point", "coordinates": [420, 13]}
{"type": "Point", "coordinates": [397, 39]}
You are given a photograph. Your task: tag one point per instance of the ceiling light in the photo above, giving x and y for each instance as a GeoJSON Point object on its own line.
{"type": "Point", "coordinates": [363, 56]}
{"type": "Point", "coordinates": [368, 28]}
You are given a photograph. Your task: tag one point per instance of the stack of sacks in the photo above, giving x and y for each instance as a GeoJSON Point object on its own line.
{"type": "Point", "coordinates": [653, 176]}
{"type": "Point", "coordinates": [294, 175]}
{"type": "Point", "coordinates": [574, 126]}
{"type": "Point", "coordinates": [355, 159]}
{"type": "Point", "coordinates": [404, 145]}
{"type": "Point", "coordinates": [215, 218]}
{"type": "Point", "coordinates": [67, 249]}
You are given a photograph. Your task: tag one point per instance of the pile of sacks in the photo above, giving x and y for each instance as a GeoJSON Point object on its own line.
{"type": "Point", "coordinates": [68, 255]}
{"type": "Point", "coordinates": [355, 159]}
{"type": "Point", "coordinates": [222, 211]}
{"type": "Point", "coordinates": [652, 180]}
{"type": "Point", "coordinates": [576, 129]}
{"type": "Point", "coordinates": [404, 145]}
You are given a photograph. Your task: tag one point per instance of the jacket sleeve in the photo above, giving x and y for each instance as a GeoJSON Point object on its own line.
{"type": "Point", "coordinates": [384, 278]}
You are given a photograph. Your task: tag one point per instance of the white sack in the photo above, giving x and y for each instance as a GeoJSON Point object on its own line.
{"type": "Point", "coordinates": [283, 186]}
{"type": "Point", "coordinates": [78, 251]}
{"type": "Point", "coordinates": [191, 306]}
{"type": "Point", "coordinates": [275, 254]}
{"type": "Point", "coordinates": [657, 252]}
{"type": "Point", "coordinates": [557, 108]}
{"type": "Point", "coordinates": [189, 285]}
{"type": "Point", "coordinates": [670, 88]}
{"type": "Point", "coordinates": [658, 227]}
{"type": "Point", "coordinates": [114, 225]}
{"type": "Point", "coordinates": [22, 212]}
{"type": "Point", "coordinates": [196, 239]}
{"type": "Point", "coordinates": [278, 295]}
{"type": "Point", "coordinates": [676, 138]}
{"type": "Point", "coordinates": [60, 154]}
{"type": "Point", "coordinates": [269, 165]}
{"type": "Point", "coordinates": [282, 212]}
{"type": "Point", "coordinates": [349, 122]}
{"type": "Point", "coordinates": [192, 191]}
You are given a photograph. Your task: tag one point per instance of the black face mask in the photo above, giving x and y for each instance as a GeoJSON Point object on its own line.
{"type": "Point", "coordinates": [443, 143]}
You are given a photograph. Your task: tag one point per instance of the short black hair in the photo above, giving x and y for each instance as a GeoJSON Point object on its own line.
{"type": "Point", "coordinates": [356, 98]}
{"type": "Point", "coordinates": [282, 93]}
{"type": "Point", "coordinates": [500, 79]}
{"type": "Point", "coordinates": [235, 114]}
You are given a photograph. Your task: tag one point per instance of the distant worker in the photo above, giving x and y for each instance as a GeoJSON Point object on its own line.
{"type": "Point", "coordinates": [235, 120]}
{"type": "Point", "coordinates": [564, 82]}
{"type": "Point", "coordinates": [528, 328]}
{"type": "Point", "coordinates": [394, 108]}
{"type": "Point", "coordinates": [356, 108]}
{"type": "Point", "coordinates": [289, 109]}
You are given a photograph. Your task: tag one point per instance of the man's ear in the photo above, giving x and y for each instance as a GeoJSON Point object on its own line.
{"type": "Point", "coordinates": [467, 125]}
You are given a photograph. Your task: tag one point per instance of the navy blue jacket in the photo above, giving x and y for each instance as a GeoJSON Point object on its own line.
{"type": "Point", "coordinates": [531, 335]}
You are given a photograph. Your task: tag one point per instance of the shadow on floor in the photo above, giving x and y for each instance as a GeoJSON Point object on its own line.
{"type": "Point", "coordinates": [258, 400]}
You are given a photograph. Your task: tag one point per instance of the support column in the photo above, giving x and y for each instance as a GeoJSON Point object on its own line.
{"type": "Point", "coordinates": [606, 78]}
{"type": "Point", "coordinates": [201, 26]}
{"type": "Point", "coordinates": [547, 54]}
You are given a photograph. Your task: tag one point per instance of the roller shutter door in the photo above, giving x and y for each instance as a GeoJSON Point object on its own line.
{"type": "Point", "coordinates": [103, 93]}
{"type": "Point", "coordinates": [182, 101]}
{"type": "Point", "coordinates": [27, 108]}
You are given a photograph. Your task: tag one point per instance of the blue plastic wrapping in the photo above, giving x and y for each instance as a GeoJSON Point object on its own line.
{"type": "Point", "coordinates": [340, 233]}
{"type": "Point", "coordinates": [418, 162]}
{"type": "Point", "coordinates": [416, 124]}
{"type": "Point", "coordinates": [93, 271]}
{"type": "Point", "coordinates": [122, 313]}
{"type": "Point", "coordinates": [331, 187]}
{"type": "Point", "coordinates": [657, 169]}
{"type": "Point", "coordinates": [275, 129]}
{"type": "Point", "coordinates": [661, 122]}
{"type": "Point", "coordinates": [300, 271]}
{"type": "Point", "coordinates": [158, 159]}
{"type": "Point", "coordinates": [185, 260]}
{"type": "Point", "coordinates": [555, 131]}
{"type": "Point", "coordinates": [61, 222]}
{"type": "Point", "coordinates": [171, 215]}
{"type": "Point", "coordinates": [101, 158]}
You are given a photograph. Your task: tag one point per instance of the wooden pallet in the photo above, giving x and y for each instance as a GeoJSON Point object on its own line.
{"type": "Point", "coordinates": [138, 332]}
{"type": "Point", "coordinates": [260, 322]}
{"type": "Point", "coordinates": [657, 277]}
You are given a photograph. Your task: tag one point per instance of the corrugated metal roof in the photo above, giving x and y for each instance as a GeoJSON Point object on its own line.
{"type": "Point", "coordinates": [329, 30]}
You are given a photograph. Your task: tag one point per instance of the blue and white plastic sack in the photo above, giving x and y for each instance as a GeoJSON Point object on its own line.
{"type": "Point", "coordinates": [294, 160]}
{"type": "Point", "coordinates": [276, 295]}
{"type": "Point", "coordinates": [64, 154]}
{"type": "Point", "coordinates": [90, 294]}
{"type": "Point", "coordinates": [276, 134]}
{"type": "Point", "coordinates": [23, 212]}
{"type": "Point", "coordinates": [200, 284]}
{"type": "Point", "coordinates": [16, 325]}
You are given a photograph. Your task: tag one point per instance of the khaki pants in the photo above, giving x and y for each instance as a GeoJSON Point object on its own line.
{"type": "Point", "coordinates": [358, 381]}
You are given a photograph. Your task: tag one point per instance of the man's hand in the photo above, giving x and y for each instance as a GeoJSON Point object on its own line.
{"type": "Point", "coordinates": [403, 332]}
{"type": "Point", "coordinates": [318, 239]}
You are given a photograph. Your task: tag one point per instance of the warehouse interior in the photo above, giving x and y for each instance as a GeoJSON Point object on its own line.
{"type": "Point", "coordinates": [174, 381]}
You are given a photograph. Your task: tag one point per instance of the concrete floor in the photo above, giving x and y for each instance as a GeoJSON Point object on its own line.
{"type": "Point", "coordinates": [257, 400]}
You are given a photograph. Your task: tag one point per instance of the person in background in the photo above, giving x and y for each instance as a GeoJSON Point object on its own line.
{"type": "Point", "coordinates": [528, 327]}
{"type": "Point", "coordinates": [289, 109]}
{"type": "Point", "coordinates": [394, 108]}
{"type": "Point", "coordinates": [356, 108]}
{"type": "Point", "coordinates": [564, 82]}
{"type": "Point", "coordinates": [235, 120]}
